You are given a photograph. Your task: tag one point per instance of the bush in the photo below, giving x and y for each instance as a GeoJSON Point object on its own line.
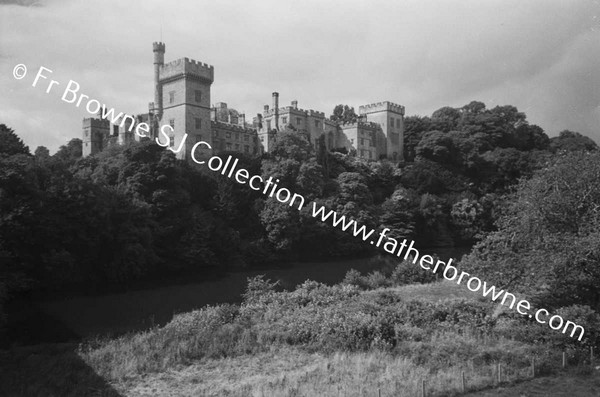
{"type": "Point", "coordinates": [528, 330]}
{"type": "Point", "coordinates": [407, 272]}
{"type": "Point", "coordinates": [258, 288]}
{"type": "Point", "coordinates": [376, 279]}
{"type": "Point", "coordinates": [353, 277]}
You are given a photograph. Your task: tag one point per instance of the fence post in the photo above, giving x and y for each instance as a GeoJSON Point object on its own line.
{"type": "Point", "coordinates": [379, 392]}
{"type": "Point", "coordinates": [564, 361]}
{"type": "Point", "coordinates": [422, 387]}
{"type": "Point", "coordinates": [533, 367]}
{"type": "Point", "coordinates": [592, 356]}
{"type": "Point", "coordinates": [498, 372]}
{"type": "Point", "coordinates": [462, 375]}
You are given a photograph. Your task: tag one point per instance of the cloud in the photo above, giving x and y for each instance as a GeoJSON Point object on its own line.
{"type": "Point", "coordinates": [541, 56]}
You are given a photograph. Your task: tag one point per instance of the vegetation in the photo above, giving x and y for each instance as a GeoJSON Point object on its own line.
{"type": "Point", "coordinates": [391, 337]}
{"type": "Point", "coordinates": [471, 175]}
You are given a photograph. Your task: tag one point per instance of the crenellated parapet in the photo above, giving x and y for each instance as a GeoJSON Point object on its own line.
{"type": "Point", "coordinates": [95, 122]}
{"type": "Point", "coordinates": [381, 107]}
{"type": "Point", "coordinates": [366, 125]}
{"type": "Point", "coordinates": [295, 111]}
{"type": "Point", "coordinates": [231, 127]}
{"type": "Point", "coordinates": [185, 67]}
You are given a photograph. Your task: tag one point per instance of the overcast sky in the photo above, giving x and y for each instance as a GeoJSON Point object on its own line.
{"type": "Point", "coordinates": [541, 56]}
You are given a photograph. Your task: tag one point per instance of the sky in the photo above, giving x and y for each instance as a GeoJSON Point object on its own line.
{"type": "Point", "coordinates": [542, 56]}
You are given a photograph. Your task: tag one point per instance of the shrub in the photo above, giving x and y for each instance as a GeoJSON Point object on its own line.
{"type": "Point", "coordinates": [258, 288]}
{"type": "Point", "coordinates": [353, 277]}
{"type": "Point", "coordinates": [375, 280]}
{"type": "Point", "coordinates": [407, 272]}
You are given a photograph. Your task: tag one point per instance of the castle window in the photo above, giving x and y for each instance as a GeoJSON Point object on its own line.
{"type": "Point", "coordinates": [228, 146]}
{"type": "Point", "coordinates": [269, 125]}
{"type": "Point", "coordinates": [246, 138]}
{"type": "Point", "coordinates": [391, 121]}
{"type": "Point", "coordinates": [198, 95]}
{"type": "Point", "coordinates": [171, 96]}
{"type": "Point", "coordinates": [284, 120]}
{"type": "Point", "coordinates": [246, 149]}
{"type": "Point", "coordinates": [352, 141]}
{"type": "Point", "coordinates": [298, 120]}
{"type": "Point", "coordinates": [237, 146]}
{"type": "Point", "coordinates": [369, 154]}
{"type": "Point", "coordinates": [228, 134]}
{"type": "Point", "coordinates": [172, 123]}
{"type": "Point", "coordinates": [262, 138]}
{"type": "Point", "coordinates": [237, 136]}
{"type": "Point", "coordinates": [317, 124]}
{"type": "Point", "coordinates": [362, 141]}
{"type": "Point", "coordinates": [198, 123]}
{"type": "Point", "coordinates": [172, 141]}
{"type": "Point", "coordinates": [216, 134]}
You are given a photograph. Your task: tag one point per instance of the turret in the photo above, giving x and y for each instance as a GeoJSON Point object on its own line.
{"type": "Point", "coordinates": [159, 60]}
{"type": "Point", "coordinates": [276, 109]}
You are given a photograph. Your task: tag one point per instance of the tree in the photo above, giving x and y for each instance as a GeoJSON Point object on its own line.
{"type": "Point", "coordinates": [572, 141]}
{"type": "Point", "coordinates": [547, 240]}
{"type": "Point", "coordinates": [41, 154]}
{"type": "Point", "coordinates": [10, 143]}
{"type": "Point", "coordinates": [71, 152]}
{"type": "Point", "coordinates": [344, 114]}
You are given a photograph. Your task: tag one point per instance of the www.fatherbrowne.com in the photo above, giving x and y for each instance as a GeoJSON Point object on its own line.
{"type": "Point", "coordinates": [283, 195]}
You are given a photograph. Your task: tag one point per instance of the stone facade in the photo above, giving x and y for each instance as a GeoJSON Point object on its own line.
{"type": "Point", "coordinates": [181, 106]}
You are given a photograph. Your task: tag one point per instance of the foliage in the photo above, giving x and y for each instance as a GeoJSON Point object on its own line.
{"type": "Point", "coordinates": [10, 143]}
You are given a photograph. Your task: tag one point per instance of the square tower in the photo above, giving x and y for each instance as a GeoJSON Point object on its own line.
{"type": "Point", "coordinates": [185, 87]}
{"type": "Point", "coordinates": [390, 117]}
{"type": "Point", "coordinates": [95, 135]}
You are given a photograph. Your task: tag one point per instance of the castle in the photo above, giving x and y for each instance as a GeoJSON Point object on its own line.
{"type": "Point", "coordinates": [182, 101]}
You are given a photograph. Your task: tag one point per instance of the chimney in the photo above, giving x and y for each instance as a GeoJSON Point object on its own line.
{"type": "Point", "coordinates": [295, 104]}
{"type": "Point", "coordinates": [276, 108]}
{"type": "Point", "coordinates": [243, 119]}
{"type": "Point", "coordinates": [215, 114]}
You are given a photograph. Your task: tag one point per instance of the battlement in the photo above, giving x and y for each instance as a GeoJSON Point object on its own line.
{"type": "Point", "coordinates": [368, 125]}
{"type": "Point", "coordinates": [186, 67]}
{"type": "Point", "coordinates": [158, 47]}
{"type": "Point", "coordinates": [295, 110]}
{"type": "Point", "coordinates": [95, 122]}
{"type": "Point", "coordinates": [315, 113]}
{"type": "Point", "coordinates": [231, 127]}
{"type": "Point", "coordinates": [381, 106]}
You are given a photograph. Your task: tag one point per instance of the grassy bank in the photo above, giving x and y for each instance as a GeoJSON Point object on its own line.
{"type": "Point", "coordinates": [361, 337]}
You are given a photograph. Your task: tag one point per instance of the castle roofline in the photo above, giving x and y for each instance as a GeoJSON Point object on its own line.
{"type": "Point", "coordinates": [381, 106]}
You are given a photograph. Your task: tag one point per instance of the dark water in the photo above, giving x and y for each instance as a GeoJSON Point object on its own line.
{"type": "Point", "coordinates": [112, 314]}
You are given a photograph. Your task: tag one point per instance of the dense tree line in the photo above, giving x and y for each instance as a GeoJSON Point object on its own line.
{"type": "Point", "coordinates": [135, 211]}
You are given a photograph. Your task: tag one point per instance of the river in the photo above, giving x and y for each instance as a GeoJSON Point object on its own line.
{"type": "Point", "coordinates": [79, 317]}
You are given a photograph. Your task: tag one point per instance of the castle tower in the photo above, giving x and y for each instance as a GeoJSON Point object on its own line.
{"type": "Point", "coordinates": [390, 117]}
{"type": "Point", "coordinates": [95, 135]}
{"type": "Point", "coordinates": [184, 90]}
